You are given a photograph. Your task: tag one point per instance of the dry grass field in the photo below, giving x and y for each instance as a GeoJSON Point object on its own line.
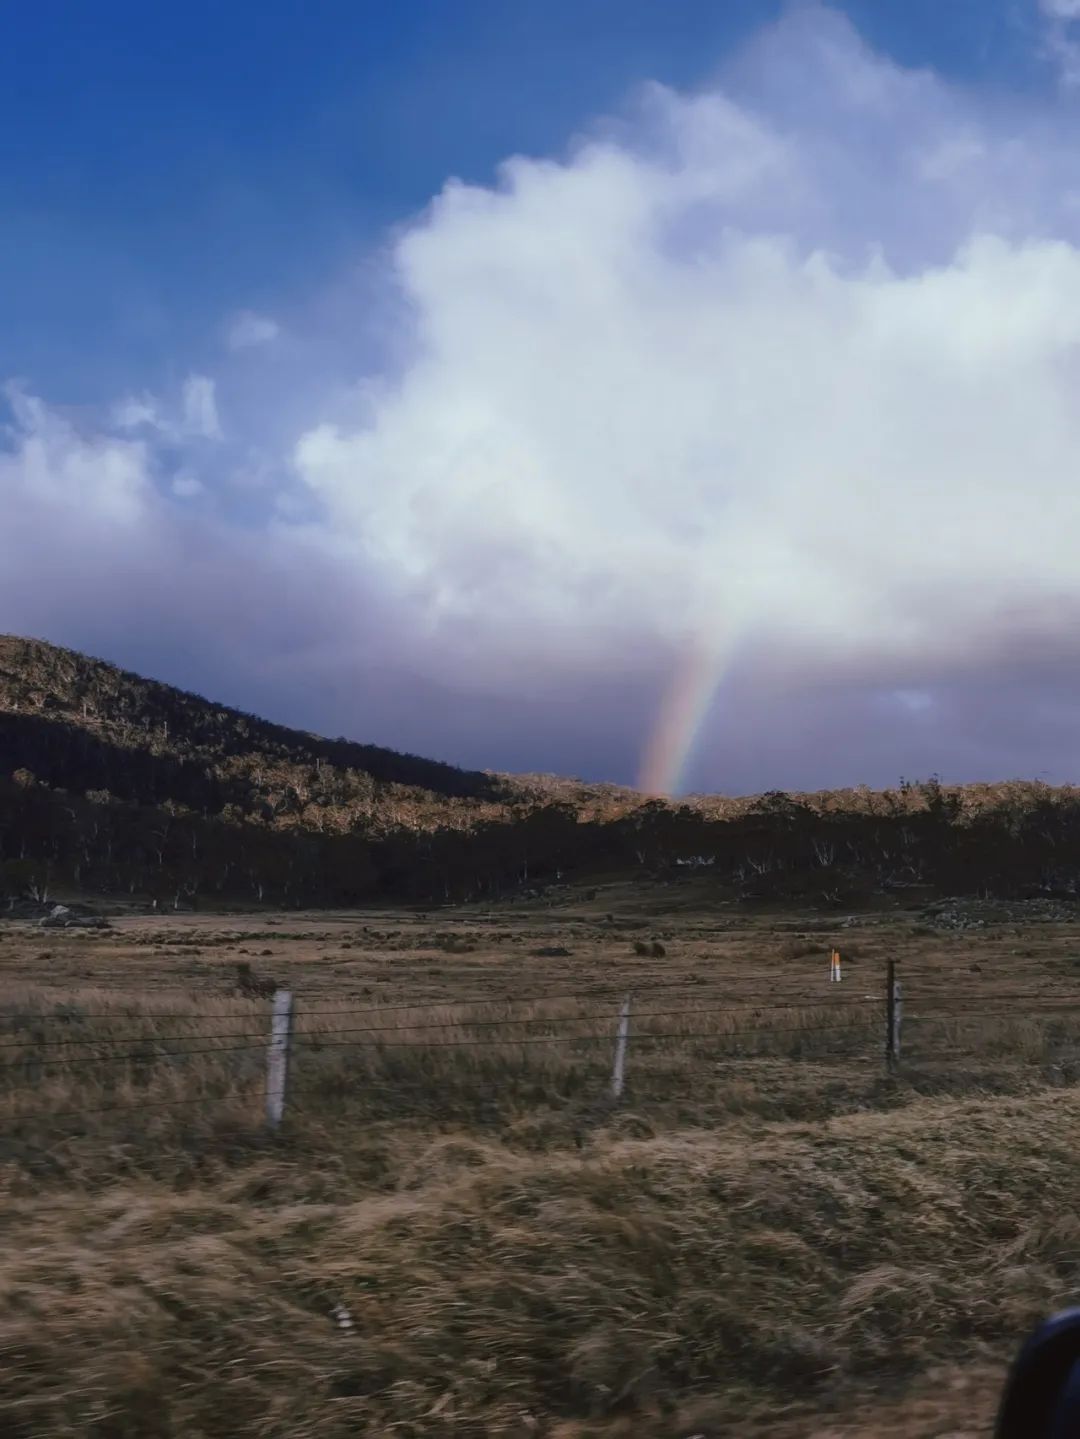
{"type": "Point", "coordinates": [457, 1231]}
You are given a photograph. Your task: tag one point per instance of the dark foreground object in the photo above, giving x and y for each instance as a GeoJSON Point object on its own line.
{"type": "Point", "coordinates": [1042, 1393]}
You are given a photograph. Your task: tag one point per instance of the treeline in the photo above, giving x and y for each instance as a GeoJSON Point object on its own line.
{"type": "Point", "coordinates": [52, 840]}
{"type": "Point", "coordinates": [115, 785]}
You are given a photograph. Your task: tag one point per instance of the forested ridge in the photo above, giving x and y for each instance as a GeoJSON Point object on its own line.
{"type": "Point", "coordinates": [112, 785]}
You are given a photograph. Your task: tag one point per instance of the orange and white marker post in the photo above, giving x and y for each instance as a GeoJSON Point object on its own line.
{"type": "Point", "coordinates": [834, 967]}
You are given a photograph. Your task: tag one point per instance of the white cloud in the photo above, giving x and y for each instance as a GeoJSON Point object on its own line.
{"type": "Point", "coordinates": [195, 418]}
{"type": "Point", "coordinates": [137, 411]}
{"type": "Point", "coordinates": [187, 487]}
{"type": "Point", "coordinates": [657, 393]}
{"type": "Point", "coordinates": [52, 475]}
{"type": "Point", "coordinates": [948, 160]}
{"type": "Point", "coordinates": [1060, 41]}
{"type": "Point", "coordinates": [915, 701]}
{"type": "Point", "coordinates": [200, 415]}
{"type": "Point", "coordinates": [248, 330]}
{"type": "Point", "coordinates": [782, 373]}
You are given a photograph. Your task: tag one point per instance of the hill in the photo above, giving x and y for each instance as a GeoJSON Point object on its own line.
{"type": "Point", "coordinates": [111, 784]}
{"type": "Point", "coordinates": [92, 720]}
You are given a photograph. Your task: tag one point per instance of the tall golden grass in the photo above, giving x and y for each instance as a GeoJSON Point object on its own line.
{"type": "Point", "coordinates": [390, 1279]}
{"type": "Point", "coordinates": [97, 1053]}
{"type": "Point", "coordinates": [456, 1231]}
{"type": "Point", "coordinates": [97, 1049]}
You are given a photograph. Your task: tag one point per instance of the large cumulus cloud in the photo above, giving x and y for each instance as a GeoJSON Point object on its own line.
{"type": "Point", "coordinates": [783, 373]}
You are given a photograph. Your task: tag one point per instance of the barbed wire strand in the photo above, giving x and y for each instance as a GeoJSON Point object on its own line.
{"type": "Point", "coordinates": [635, 1037]}
{"type": "Point", "coordinates": [326, 1040]}
{"type": "Point", "coordinates": [742, 1005]}
{"type": "Point", "coordinates": [228, 972]}
{"type": "Point", "coordinates": [464, 1023]}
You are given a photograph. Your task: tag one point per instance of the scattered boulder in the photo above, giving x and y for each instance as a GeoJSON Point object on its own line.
{"type": "Point", "coordinates": [552, 951]}
{"type": "Point", "coordinates": [62, 916]}
{"type": "Point", "coordinates": [958, 913]}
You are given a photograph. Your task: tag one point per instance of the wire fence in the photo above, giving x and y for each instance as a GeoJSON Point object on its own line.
{"type": "Point", "coordinates": [131, 1058]}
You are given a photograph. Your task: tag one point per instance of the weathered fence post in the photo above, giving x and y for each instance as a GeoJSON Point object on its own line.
{"type": "Point", "coordinates": [894, 1014]}
{"type": "Point", "coordinates": [622, 1038]}
{"type": "Point", "coordinates": [277, 1056]}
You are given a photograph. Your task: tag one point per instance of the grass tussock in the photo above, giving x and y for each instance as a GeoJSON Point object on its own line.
{"type": "Point", "coordinates": [457, 1229]}
{"type": "Point", "coordinates": [485, 1291]}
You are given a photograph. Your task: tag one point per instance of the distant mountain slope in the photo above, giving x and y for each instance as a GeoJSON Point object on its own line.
{"type": "Point", "coordinates": [114, 784]}
{"type": "Point", "coordinates": [85, 724]}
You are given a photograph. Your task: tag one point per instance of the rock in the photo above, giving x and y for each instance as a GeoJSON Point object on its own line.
{"type": "Point", "coordinates": [960, 914]}
{"type": "Point", "coordinates": [63, 916]}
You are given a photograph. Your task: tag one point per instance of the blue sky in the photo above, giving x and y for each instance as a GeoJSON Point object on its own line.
{"type": "Point", "coordinates": [164, 165]}
{"type": "Point", "coordinates": [619, 387]}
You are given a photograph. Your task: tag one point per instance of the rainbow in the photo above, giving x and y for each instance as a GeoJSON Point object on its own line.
{"type": "Point", "coordinates": [682, 712]}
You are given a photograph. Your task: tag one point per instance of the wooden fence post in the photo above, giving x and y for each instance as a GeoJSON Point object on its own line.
{"type": "Point", "coordinates": [277, 1056]}
{"type": "Point", "coordinates": [622, 1038]}
{"type": "Point", "coordinates": [894, 1014]}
